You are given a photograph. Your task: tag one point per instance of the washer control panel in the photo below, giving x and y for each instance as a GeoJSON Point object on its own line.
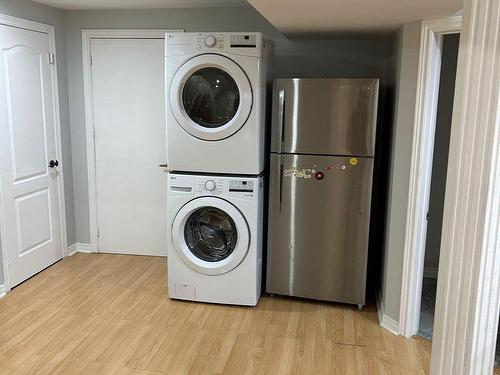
{"type": "Point", "coordinates": [214, 185]}
{"type": "Point", "coordinates": [241, 186]}
{"type": "Point", "coordinates": [210, 185]}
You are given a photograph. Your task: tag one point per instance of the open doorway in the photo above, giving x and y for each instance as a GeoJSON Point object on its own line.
{"type": "Point", "coordinates": [444, 114]}
{"type": "Point", "coordinates": [497, 353]}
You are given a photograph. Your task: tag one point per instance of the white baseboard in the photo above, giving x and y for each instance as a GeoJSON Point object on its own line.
{"type": "Point", "coordinates": [389, 324]}
{"type": "Point", "coordinates": [2, 291]}
{"type": "Point", "coordinates": [79, 248]}
{"type": "Point", "coordinates": [431, 272]}
{"type": "Point", "coordinates": [386, 321]}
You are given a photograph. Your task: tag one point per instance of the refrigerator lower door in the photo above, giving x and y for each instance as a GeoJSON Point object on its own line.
{"type": "Point", "coordinates": [319, 215]}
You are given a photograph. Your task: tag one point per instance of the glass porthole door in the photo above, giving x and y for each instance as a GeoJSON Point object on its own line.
{"type": "Point", "coordinates": [211, 97]}
{"type": "Point", "coordinates": [210, 235]}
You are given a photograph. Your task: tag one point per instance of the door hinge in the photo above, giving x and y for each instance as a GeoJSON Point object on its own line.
{"type": "Point", "coordinates": [98, 233]}
{"type": "Point", "coordinates": [52, 59]}
{"type": "Point", "coordinates": [90, 59]}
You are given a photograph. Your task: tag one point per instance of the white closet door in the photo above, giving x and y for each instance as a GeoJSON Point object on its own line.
{"type": "Point", "coordinates": [29, 187]}
{"type": "Point", "coordinates": [129, 121]}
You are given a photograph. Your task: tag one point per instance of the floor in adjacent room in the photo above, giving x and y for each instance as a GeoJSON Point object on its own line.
{"type": "Point", "coordinates": [497, 355]}
{"type": "Point", "coordinates": [101, 313]}
{"type": "Point", "coordinates": [427, 307]}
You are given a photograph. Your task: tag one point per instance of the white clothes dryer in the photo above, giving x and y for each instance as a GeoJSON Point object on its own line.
{"type": "Point", "coordinates": [216, 85]}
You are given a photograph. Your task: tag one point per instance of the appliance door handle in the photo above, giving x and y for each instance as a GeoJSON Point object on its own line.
{"type": "Point", "coordinates": [281, 114]}
{"type": "Point", "coordinates": [278, 178]}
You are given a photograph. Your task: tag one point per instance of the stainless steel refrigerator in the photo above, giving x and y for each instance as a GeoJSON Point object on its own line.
{"type": "Point", "coordinates": [322, 150]}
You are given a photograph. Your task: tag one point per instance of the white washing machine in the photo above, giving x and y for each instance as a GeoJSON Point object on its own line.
{"type": "Point", "coordinates": [215, 238]}
{"type": "Point", "coordinates": [216, 86]}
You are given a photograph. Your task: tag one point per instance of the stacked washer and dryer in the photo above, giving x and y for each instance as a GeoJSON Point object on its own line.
{"type": "Point", "coordinates": [216, 87]}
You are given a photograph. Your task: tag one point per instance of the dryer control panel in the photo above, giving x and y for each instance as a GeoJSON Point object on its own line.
{"type": "Point", "coordinates": [203, 41]}
{"type": "Point", "coordinates": [253, 44]}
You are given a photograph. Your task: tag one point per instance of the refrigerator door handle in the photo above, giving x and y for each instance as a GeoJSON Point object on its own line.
{"type": "Point", "coordinates": [281, 114]}
{"type": "Point", "coordinates": [278, 188]}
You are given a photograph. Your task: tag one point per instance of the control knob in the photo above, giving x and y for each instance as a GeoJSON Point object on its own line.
{"type": "Point", "coordinates": [210, 185]}
{"type": "Point", "coordinates": [210, 41]}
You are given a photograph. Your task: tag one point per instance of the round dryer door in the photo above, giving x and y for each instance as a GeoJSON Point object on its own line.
{"type": "Point", "coordinates": [211, 97]}
{"type": "Point", "coordinates": [210, 235]}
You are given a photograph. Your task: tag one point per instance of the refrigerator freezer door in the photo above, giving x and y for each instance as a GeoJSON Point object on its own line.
{"type": "Point", "coordinates": [325, 116]}
{"type": "Point", "coordinates": [319, 214]}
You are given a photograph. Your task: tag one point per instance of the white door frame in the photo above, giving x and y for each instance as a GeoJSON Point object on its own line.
{"type": "Point", "coordinates": [421, 168]}
{"type": "Point", "coordinates": [50, 30]}
{"type": "Point", "coordinates": [468, 291]}
{"type": "Point", "coordinates": [87, 36]}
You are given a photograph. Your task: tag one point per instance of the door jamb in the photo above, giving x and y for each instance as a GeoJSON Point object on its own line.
{"type": "Point", "coordinates": [22, 23]}
{"type": "Point", "coordinates": [429, 70]}
{"type": "Point", "coordinates": [87, 36]}
{"type": "Point", "coordinates": [468, 297]}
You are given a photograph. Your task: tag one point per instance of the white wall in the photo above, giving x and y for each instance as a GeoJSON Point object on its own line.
{"type": "Point", "coordinates": [40, 13]}
{"type": "Point", "coordinates": [405, 75]}
{"type": "Point", "coordinates": [344, 56]}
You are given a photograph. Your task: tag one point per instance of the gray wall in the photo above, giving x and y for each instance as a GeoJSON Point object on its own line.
{"type": "Point", "coordinates": [441, 148]}
{"type": "Point", "coordinates": [339, 56]}
{"type": "Point", "coordinates": [404, 72]}
{"type": "Point", "coordinates": [35, 12]}
{"type": "Point", "coordinates": [344, 56]}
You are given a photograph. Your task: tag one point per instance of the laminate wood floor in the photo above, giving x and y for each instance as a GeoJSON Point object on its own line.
{"type": "Point", "coordinates": [107, 314]}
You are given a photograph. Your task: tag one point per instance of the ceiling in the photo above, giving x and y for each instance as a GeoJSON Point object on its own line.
{"type": "Point", "coordinates": [140, 4]}
{"type": "Point", "coordinates": [326, 16]}
{"type": "Point", "coordinates": [304, 17]}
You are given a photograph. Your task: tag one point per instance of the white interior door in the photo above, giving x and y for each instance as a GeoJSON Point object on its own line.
{"type": "Point", "coordinates": [29, 187]}
{"type": "Point", "coordinates": [129, 122]}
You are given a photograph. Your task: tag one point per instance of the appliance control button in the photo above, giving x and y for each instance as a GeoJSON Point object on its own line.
{"type": "Point", "coordinates": [210, 41]}
{"type": "Point", "coordinates": [210, 185]}
{"type": "Point", "coordinates": [319, 175]}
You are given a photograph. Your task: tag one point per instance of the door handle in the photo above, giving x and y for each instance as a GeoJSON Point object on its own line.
{"type": "Point", "coordinates": [277, 190]}
{"type": "Point", "coordinates": [53, 163]}
{"type": "Point", "coordinates": [281, 114]}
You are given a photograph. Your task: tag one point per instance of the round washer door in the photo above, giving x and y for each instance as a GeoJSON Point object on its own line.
{"type": "Point", "coordinates": [211, 97]}
{"type": "Point", "coordinates": [210, 235]}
